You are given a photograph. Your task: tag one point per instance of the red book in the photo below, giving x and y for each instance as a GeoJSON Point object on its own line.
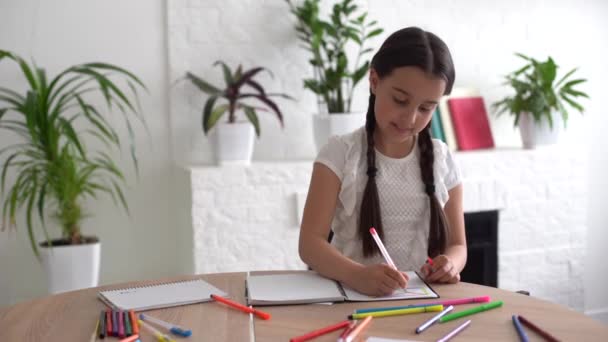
{"type": "Point", "coordinates": [470, 121]}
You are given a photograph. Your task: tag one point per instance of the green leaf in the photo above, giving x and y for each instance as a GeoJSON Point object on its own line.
{"type": "Point", "coordinates": [524, 56]}
{"type": "Point", "coordinates": [207, 110]}
{"type": "Point", "coordinates": [253, 118]}
{"type": "Point", "coordinates": [360, 73]}
{"type": "Point", "coordinates": [572, 83]}
{"type": "Point", "coordinates": [121, 196]}
{"type": "Point", "coordinates": [574, 93]}
{"type": "Point", "coordinates": [202, 85]}
{"type": "Point", "coordinates": [72, 136]}
{"type": "Point", "coordinates": [227, 73]}
{"type": "Point", "coordinates": [28, 217]}
{"type": "Point", "coordinates": [215, 115]}
{"type": "Point", "coordinates": [573, 103]}
{"type": "Point", "coordinates": [565, 77]}
{"type": "Point", "coordinates": [374, 33]}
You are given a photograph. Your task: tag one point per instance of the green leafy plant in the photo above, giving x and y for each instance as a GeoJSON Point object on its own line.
{"type": "Point", "coordinates": [54, 169]}
{"type": "Point", "coordinates": [327, 41]}
{"type": "Point", "coordinates": [236, 96]}
{"type": "Point", "coordinates": [537, 93]}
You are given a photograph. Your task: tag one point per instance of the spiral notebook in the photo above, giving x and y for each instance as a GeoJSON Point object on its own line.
{"type": "Point", "coordinates": [160, 296]}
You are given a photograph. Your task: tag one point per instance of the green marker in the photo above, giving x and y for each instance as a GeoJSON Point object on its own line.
{"type": "Point", "coordinates": [127, 320]}
{"type": "Point", "coordinates": [471, 311]}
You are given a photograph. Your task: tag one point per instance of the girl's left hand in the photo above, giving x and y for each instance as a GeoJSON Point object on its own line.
{"type": "Point", "coordinates": [442, 271]}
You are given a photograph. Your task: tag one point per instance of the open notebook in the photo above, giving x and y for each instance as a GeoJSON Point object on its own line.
{"type": "Point", "coordinates": [160, 296]}
{"type": "Point", "coordinates": [310, 287]}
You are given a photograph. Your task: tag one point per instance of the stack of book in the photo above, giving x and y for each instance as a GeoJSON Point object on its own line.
{"type": "Point", "coordinates": [461, 121]}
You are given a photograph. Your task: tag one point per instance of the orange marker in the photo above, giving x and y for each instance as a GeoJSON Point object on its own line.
{"type": "Point", "coordinates": [260, 314]}
{"type": "Point", "coordinates": [130, 338]}
{"type": "Point", "coordinates": [358, 329]}
{"type": "Point", "coordinates": [134, 322]}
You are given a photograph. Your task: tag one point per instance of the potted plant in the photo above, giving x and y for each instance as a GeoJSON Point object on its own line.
{"type": "Point", "coordinates": [54, 171]}
{"type": "Point", "coordinates": [539, 101]}
{"type": "Point", "coordinates": [234, 144]}
{"type": "Point", "coordinates": [335, 76]}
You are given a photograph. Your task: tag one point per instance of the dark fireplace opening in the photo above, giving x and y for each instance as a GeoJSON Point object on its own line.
{"type": "Point", "coordinates": [482, 248]}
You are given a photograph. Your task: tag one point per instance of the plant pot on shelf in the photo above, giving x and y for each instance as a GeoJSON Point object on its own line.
{"type": "Point", "coordinates": [537, 133]}
{"type": "Point", "coordinates": [234, 143]}
{"type": "Point", "coordinates": [71, 267]}
{"type": "Point", "coordinates": [327, 125]}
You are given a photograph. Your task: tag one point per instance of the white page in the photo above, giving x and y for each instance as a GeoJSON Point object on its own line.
{"type": "Point", "coordinates": [416, 288]}
{"type": "Point", "coordinates": [296, 288]}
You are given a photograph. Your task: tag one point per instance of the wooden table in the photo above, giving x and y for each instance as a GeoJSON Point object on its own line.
{"type": "Point", "coordinates": [71, 317]}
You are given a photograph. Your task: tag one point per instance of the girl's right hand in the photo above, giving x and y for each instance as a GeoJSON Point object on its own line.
{"type": "Point", "coordinates": [379, 280]}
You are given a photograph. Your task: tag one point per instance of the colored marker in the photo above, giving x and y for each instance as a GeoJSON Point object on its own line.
{"type": "Point", "coordinates": [471, 311]}
{"type": "Point", "coordinates": [358, 329]}
{"type": "Point", "coordinates": [455, 331]}
{"type": "Point", "coordinates": [383, 250]}
{"type": "Point", "coordinates": [428, 323]}
{"type": "Point", "coordinates": [121, 325]}
{"type": "Point", "coordinates": [109, 322]}
{"type": "Point", "coordinates": [540, 331]}
{"type": "Point", "coordinates": [347, 331]}
{"type": "Point", "coordinates": [520, 330]}
{"type": "Point", "coordinates": [130, 339]}
{"type": "Point", "coordinates": [128, 329]}
{"type": "Point", "coordinates": [260, 314]}
{"type": "Point", "coordinates": [134, 324]}
{"type": "Point", "coordinates": [102, 324]}
{"type": "Point", "coordinates": [114, 323]}
{"type": "Point", "coordinates": [319, 332]}
{"type": "Point", "coordinates": [160, 337]}
{"type": "Point", "coordinates": [386, 313]}
{"type": "Point", "coordinates": [446, 302]}
{"type": "Point", "coordinates": [174, 329]}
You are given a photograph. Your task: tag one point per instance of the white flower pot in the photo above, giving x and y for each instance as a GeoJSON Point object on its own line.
{"type": "Point", "coordinates": [535, 133]}
{"type": "Point", "coordinates": [234, 143]}
{"type": "Point", "coordinates": [327, 125]}
{"type": "Point", "coordinates": [71, 267]}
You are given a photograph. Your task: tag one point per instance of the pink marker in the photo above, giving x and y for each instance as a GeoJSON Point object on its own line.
{"type": "Point", "coordinates": [383, 250]}
{"type": "Point", "coordinates": [482, 299]}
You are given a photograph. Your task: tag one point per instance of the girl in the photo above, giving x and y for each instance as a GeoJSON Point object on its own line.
{"type": "Point", "coordinates": [392, 176]}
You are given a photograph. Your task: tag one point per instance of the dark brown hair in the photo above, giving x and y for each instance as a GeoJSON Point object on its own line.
{"type": "Point", "coordinates": [410, 46]}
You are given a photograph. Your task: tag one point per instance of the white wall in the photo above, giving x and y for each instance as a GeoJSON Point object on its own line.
{"type": "Point", "coordinates": [130, 34]}
{"type": "Point", "coordinates": [482, 35]}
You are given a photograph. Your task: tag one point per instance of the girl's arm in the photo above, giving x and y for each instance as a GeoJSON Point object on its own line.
{"type": "Point", "coordinates": [447, 267]}
{"type": "Point", "coordinates": [321, 256]}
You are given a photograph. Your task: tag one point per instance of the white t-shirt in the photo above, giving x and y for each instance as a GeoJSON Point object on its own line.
{"type": "Point", "coordinates": [404, 206]}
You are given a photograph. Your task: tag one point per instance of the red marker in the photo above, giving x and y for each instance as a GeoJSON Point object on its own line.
{"type": "Point", "coordinates": [319, 332]}
{"type": "Point", "coordinates": [429, 261]}
{"type": "Point", "coordinates": [260, 314]}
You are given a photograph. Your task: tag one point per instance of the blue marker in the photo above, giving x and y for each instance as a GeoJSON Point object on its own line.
{"type": "Point", "coordinates": [174, 329]}
{"type": "Point", "coordinates": [520, 330]}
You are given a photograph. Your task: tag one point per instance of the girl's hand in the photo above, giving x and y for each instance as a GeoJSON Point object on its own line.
{"type": "Point", "coordinates": [442, 271]}
{"type": "Point", "coordinates": [379, 280]}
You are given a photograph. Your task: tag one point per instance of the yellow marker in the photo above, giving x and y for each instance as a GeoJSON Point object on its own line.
{"type": "Point", "coordinates": [433, 308]}
{"type": "Point", "coordinates": [160, 337]}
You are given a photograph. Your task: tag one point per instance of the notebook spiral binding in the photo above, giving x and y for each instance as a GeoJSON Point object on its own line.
{"type": "Point", "coordinates": [154, 285]}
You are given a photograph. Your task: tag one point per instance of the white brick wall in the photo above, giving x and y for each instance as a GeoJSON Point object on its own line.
{"type": "Point", "coordinates": [246, 218]}
{"type": "Point", "coordinates": [482, 36]}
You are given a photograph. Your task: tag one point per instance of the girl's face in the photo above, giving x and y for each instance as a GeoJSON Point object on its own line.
{"type": "Point", "coordinates": [405, 101]}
